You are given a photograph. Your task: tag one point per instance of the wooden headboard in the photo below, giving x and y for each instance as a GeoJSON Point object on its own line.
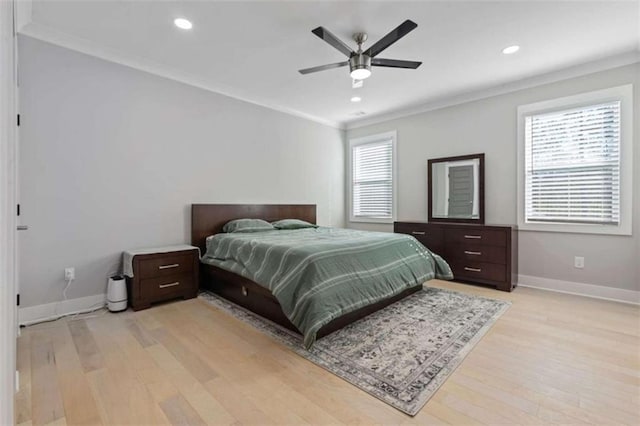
{"type": "Point", "coordinates": [208, 219]}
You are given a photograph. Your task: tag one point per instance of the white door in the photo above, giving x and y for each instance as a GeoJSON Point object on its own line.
{"type": "Point", "coordinates": [460, 191]}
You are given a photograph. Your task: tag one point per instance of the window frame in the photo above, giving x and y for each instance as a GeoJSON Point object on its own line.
{"type": "Point", "coordinates": [379, 137]}
{"type": "Point", "coordinates": [623, 94]}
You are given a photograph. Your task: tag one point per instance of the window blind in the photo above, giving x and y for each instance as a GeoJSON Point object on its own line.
{"type": "Point", "coordinates": [572, 165]}
{"type": "Point", "coordinates": [372, 172]}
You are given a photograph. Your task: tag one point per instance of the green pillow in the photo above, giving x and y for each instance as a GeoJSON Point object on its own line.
{"type": "Point", "coordinates": [292, 224]}
{"type": "Point", "coordinates": [247, 225]}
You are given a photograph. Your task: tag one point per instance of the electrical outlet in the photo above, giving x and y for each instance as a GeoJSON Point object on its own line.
{"type": "Point", "coordinates": [578, 262]}
{"type": "Point", "coordinates": [69, 274]}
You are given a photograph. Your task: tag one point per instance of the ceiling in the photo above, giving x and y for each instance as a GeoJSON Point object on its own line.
{"type": "Point", "coordinates": [252, 50]}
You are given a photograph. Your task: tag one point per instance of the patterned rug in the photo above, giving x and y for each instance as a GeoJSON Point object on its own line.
{"type": "Point", "coordinates": [401, 354]}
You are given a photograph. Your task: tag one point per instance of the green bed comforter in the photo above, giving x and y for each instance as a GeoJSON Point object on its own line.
{"type": "Point", "coordinates": [318, 274]}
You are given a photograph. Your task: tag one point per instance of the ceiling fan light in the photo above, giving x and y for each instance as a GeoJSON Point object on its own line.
{"type": "Point", "coordinates": [360, 66]}
{"type": "Point", "coordinates": [182, 23]}
{"type": "Point", "coordinates": [360, 73]}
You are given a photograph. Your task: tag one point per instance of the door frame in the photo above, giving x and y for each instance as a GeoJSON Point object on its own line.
{"type": "Point", "coordinates": [8, 172]}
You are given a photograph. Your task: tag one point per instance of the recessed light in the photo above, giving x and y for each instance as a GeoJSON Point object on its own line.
{"type": "Point", "coordinates": [356, 99]}
{"type": "Point", "coordinates": [511, 49]}
{"type": "Point", "coordinates": [185, 24]}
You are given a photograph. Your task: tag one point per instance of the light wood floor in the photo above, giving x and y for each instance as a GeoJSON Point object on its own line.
{"type": "Point", "coordinates": [551, 358]}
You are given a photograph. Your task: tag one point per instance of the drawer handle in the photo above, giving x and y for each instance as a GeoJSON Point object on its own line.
{"type": "Point", "coordinates": [466, 268]}
{"type": "Point", "coordinates": [418, 232]}
{"type": "Point", "coordinates": [473, 237]}
{"type": "Point", "coordinates": [173, 265]}
{"type": "Point", "coordinates": [169, 285]}
{"type": "Point", "coordinates": [473, 253]}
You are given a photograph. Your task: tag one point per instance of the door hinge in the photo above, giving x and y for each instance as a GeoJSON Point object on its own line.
{"type": "Point", "coordinates": [17, 209]}
{"type": "Point", "coordinates": [18, 120]}
{"type": "Point", "coordinates": [18, 299]}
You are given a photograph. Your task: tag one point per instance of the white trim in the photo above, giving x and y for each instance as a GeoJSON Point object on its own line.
{"type": "Point", "coordinates": [581, 289]}
{"type": "Point", "coordinates": [379, 137]}
{"type": "Point", "coordinates": [50, 35]}
{"type": "Point", "coordinates": [466, 96]}
{"type": "Point", "coordinates": [638, 47]}
{"type": "Point", "coordinates": [625, 95]}
{"type": "Point", "coordinates": [50, 311]}
{"type": "Point", "coordinates": [8, 328]}
{"type": "Point", "coordinates": [23, 13]}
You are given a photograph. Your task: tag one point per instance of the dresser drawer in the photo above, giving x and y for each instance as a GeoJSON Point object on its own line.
{"type": "Point", "coordinates": [477, 236]}
{"type": "Point", "coordinates": [478, 271]}
{"type": "Point", "coordinates": [162, 287]}
{"type": "Point", "coordinates": [430, 237]}
{"type": "Point", "coordinates": [171, 264]}
{"type": "Point", "coordinates": [465, 252]}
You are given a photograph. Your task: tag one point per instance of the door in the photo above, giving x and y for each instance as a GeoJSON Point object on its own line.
{"type": "Point", "coordinates": [460, 191]}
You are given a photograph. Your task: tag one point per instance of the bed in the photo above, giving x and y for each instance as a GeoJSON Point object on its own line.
{"type": "Point", "coordinates": [208, 220]}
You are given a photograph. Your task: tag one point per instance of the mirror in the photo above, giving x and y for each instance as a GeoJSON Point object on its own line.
{"type": "Point", "coordinates": [456, 189]}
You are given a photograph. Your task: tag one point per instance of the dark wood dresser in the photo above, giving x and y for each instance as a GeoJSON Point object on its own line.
{"type": "Point", "coordinates": [483, 254]}
{"type": "Point", "coordinates": [163, 276]}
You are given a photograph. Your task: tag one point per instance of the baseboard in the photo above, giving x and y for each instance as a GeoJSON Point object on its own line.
{"type": "Point", "coordinates": [50, 311]}
{"type": "Point", "coordinates": [581, 289]}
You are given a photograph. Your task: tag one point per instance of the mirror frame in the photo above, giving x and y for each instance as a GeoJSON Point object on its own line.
{"type": "Point", "coordinates": [480, 219]}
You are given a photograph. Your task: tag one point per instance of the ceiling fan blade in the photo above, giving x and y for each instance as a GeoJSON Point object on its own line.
{"type": "Point", "coordinates": [323, 67]}
{"type": "Point", "coordinates": [334, 41]}
{"type": "Point", "coordinates": [395, 63]}
{"type": "Point", "coordinates": [400, 31]}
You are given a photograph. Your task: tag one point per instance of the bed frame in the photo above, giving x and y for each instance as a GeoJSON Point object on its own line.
{"type": "Point", "coordinates": [208, 219]}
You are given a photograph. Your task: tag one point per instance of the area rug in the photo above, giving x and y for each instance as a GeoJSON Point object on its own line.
{"type": "Point", "coordinates": [401, 354]}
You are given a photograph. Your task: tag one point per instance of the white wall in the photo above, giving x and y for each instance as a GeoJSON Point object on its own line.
{"type": "Point", "coordinates": [489, 126]}
{"type": "Point", "coordinates": [112, 158]}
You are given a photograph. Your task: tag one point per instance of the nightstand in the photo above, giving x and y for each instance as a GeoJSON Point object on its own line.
{"type": "Point", "coordinates": [160, 274]}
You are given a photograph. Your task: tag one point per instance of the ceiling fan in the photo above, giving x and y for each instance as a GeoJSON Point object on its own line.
{"type": "Point", "coordinates": [360, 62]}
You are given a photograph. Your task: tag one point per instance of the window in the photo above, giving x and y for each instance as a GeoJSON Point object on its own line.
{"type": "Point", "coordinates": [372, 174]}
{"type": "Point", "coordinates": [575, 163]}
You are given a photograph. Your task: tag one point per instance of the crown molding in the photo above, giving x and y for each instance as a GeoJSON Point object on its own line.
{"type": "Point", "coordinates": [514, 86]}
{"type": "Point", "coordinates": [59, 38]}
{"type": "Point", "coordinates": [23, 13]}
{"type": "Point", "coordinates": [50, 35]}
{"type": "Point", "coordinates": [639, 28]}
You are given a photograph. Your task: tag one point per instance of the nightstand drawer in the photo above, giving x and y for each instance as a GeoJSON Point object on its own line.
{"type": "Point", "coordinates": [166, 265]}
{"type": "Point", "coordinates": [161, 287]}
